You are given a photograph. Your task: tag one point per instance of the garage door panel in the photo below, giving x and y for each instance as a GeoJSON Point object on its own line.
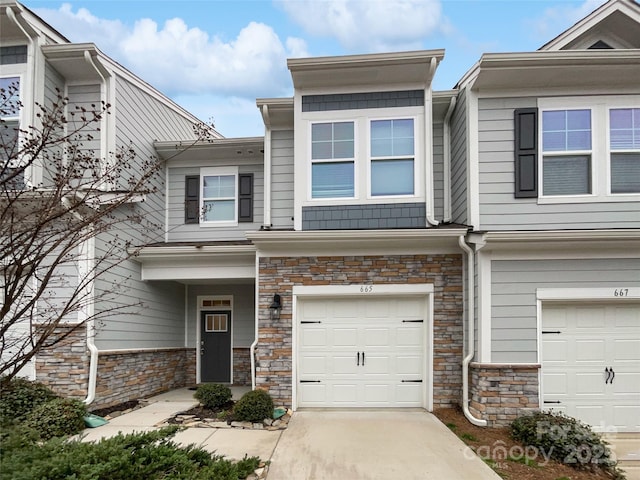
{"type": "Point", "coordinates": [377, 308]}
{"type": "Point", "coordinates": [588, 413]}
{"type": "Point", "coordinates": [313, 337]}
{"type": "Point", "coordinates": [589, 350]}
{"type": "Point", "coordinates": [343, 364]}
{"type": "Point", "coordinates": [589, 384]}
{"type": "Point", "coordinates": [344, 393]}
{"type": "Point", "coordinates": [376, 365]}
{"type": "Point", "coordinates": [409, 365]}
{"type": "Point", "coordinates": [409, 336]}
{"type": "Point", "coordinates": [377, 393]}
{"type": "Point", "coordinates": [625, 350]}
{"type": "Point", "coordinates": [345, 337]}
{"type": "Point", "coordinates": [313, 394]}
{"type": "Point", "coordinates": [376, 337]}
{"type": "Point", "coordinates": [556, 351]}
{"type": "Point", "coordinates": [556, 384]}
{"type": "Point", "coordinates": [406, 393]}
{"type": "Point", "coordinates": [313, 365]}
{"type": "Point", "coordinates": [626, 416]}
{"type": "Point", "coordinates": [627, 317]}
{"type": "Point", "coordinates": [412, 308]}
{"type": "Point", "coordinates": [627, 383]}
{"type": "Point", "coordinates": [590, 318]}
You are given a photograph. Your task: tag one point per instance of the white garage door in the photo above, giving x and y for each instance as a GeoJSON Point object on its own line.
{"type": "Point", "coordinates": [591, 363]}
{"type": "Point", "coordinates": [361, 352]}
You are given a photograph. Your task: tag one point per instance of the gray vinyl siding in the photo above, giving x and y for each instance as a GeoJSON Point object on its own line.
{"type": "Point", "coordinates": [513, 296]}
{"type": "Point", "coordinates": [438, 171]}
{"type": "Point", "coordinates": [153, 316]}
{"type": "Point", "coordinates": [459, 161]}
{"type": "Point", "coordinates": [87, 97]}
{"type": "Point", "coordinates": [367, 216]}
{"type": "Point", "coordinates": [193, 232]}
{"type": "Point", "coordinates": [499, 210]}
{"type": "Point", "coordinates": [243, 316]}
{"type": "Point", "coordinates": [282, 179]}
{"type": "Point", "coordinates": [52, 81]}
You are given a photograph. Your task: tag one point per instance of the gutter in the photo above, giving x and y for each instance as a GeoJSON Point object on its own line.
{"type": "Point", "coordinates": [470, 334]}
{"type": "Point", "coordinates": [252, 348]}
{"type": "Point", "coordinates": [267, 165]}
{"type": "Point", "coordinates": [429, 183]}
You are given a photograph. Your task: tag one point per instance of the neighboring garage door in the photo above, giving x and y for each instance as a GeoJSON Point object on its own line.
{"type": "Point", "coordinates": [591, 363]}
{"type": "Point", "coordinates": [361, 352]}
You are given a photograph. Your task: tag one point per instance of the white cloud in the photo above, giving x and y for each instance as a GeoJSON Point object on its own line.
{"type": "Point", "coordinates": [554, 20]}
{"type": "Point", "coordinates": [374, 25]}
{"type": "Point", "coordinates": [178, 59]}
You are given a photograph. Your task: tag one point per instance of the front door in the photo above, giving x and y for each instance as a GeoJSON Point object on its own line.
{"type": "Point", "coordinates": [215, 346]}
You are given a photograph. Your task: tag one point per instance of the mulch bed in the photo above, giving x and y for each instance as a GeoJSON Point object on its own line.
{"type": "Point", "coordinates": [120, 407]}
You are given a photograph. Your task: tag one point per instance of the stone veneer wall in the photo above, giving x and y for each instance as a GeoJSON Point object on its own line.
{"type": "Point", "coordinates": [280, 274]}
{"type": "Point", "coordinates": [501, 392]}
{"type": "Point", "coordinates": [131, 374]}
{"type": "Point", "coordinates": [65, 366]}
{"type": "Point", "coordinates": [241, 366]}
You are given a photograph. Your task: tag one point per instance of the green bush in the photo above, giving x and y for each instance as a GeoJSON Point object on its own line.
{"type": "Point", "coordinates": [57, 418]}
{"type": "Point", "coordinates": [139, 456]}
{"type": "Point", "coordinates": [564, 439]}
{"type": "Point", "coordinates": [213, 395]}
{"type": "Point", "coordinates": [18, 397]}
{"type": "Point", "coordinates": [254, 406]}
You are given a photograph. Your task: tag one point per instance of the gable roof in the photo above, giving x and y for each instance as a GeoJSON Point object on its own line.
{"type": "Point", "coordinates": [615, 24]}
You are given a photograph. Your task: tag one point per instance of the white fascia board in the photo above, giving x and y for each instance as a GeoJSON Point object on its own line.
{"type": "Point", "coordinates": [561, 235]}
{"type": "Point", "coordinates": [271, 236]}
{"type": "Point", "coordinates": [617, 294]}
{"type": "Point", "coordinates": [362, 290]}
{"type": "Point", "coordinates": [185, 251]}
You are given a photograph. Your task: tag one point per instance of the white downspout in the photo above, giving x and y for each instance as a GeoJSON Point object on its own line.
{"type": "Point", "coordinates": [470, 334]}
{"type": "Point", "coordinates": [446, 157]}
{"type": "Point", "coordinates": [252, 349]}
{"type": "Point", "coordinates": [428, 145]}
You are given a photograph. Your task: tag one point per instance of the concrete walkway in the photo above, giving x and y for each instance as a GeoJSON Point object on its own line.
{"type": "Point", "coordinates": [359, 445]}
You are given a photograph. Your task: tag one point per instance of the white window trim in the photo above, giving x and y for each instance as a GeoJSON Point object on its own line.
{"type": "Point", "coordinates": [370, 159]}
{"type": "Point", "coordinates": [333, 160]}
{"type": "Point", "coordinates": [217, 171]}
{"type": "Point", "coordinates": [600, 152]}
{"type": "Point", "coordinates": [362, 119]}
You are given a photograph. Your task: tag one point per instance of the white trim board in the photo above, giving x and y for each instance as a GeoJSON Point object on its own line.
{"type": "Point", "coordinates": [619, 293]}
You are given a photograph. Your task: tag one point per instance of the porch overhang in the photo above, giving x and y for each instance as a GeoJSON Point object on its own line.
{"type": "Point", "coordinates": [358, 242]}
{"type": "Point", "coordinates": [194, 264]}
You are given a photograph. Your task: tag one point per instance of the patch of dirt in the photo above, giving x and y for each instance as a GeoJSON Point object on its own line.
{"type": "Point", "coordinates": [496, 447]}
{"type": "Point", "coordinates": [120, 407]}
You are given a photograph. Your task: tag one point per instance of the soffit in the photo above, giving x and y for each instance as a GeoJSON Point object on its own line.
{"type": "Point", "coordinates": [378, 70]}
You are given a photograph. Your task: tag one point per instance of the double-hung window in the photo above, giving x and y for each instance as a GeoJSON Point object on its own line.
{"type": "Point", "coordinates": [566, 152]}
{"type": "Point", "coordinates": [9, 112]}
{"type": "Point", "coordinates": [219, 196]}
{"type": "Point", "coordinates": [624, 148]}
{"type": "Point", "coordinates": [392, 149]}
{"type": "Point", "coordinates": [332, 160]}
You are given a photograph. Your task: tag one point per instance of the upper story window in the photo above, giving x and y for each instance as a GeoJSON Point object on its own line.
{"type": "Point", "coordinates": [219, 197]}
{"type": "Point", "coordinates": [566, 146]}
{"type": "Point", "coordinates": [332, 157]}
{"type": "Point", "coordinates": [392, 157]}
{"type": "Point", "coordinates": [10, 130]}
{"type": "Point", "coordinates": [624, 146]}
{"type": "Point", "coordinates": [12, 55]}
{"type": "Point", "coordinates": [579, 149]}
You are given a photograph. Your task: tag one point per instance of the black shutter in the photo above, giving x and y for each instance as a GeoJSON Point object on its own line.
{"type": "Point", "coordinates": [245, 197]}
{"type": "Point", "coordinates": [192, 199]}
{"type": "Point", "coordinates": [526, 152]}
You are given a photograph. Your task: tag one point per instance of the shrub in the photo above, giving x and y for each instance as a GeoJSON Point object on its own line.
{"type": "Point", "coordinates": [254, 406]}
{"type": "Point", "coordinates": [564, 439]}
{"type": "Point", "coordinates": [138, 456]}
{"type": "Point", "coordinates": [213, 395]}
{"type": "Point", "coordinates": [57, 418]}
{"type": "Point", "coordinates": [18, 397]}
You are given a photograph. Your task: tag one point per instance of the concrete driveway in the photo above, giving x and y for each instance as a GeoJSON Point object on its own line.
{"type": "Point", "coordinates": [359, 445]}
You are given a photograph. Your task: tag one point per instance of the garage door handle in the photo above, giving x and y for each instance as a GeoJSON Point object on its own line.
{"type": "Point", "coordinates": [358, 359]}
{"type": "Point", "coordinates": [610, 375]}
{"type": "Point", "coordinates": [363, 359]}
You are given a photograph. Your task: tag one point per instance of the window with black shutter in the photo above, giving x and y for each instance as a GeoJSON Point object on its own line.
{"type": "Point", "coordinates": [245, 197]}
{"type": "Point", "coordinates": [192, 199]}
{"type": "Point", "coordinates": [526, 152]}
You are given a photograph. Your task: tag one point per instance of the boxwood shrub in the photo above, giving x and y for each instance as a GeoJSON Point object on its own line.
{"type": "Point", "coordinates": [213, 395]}
{"type": "Point", "coordinates": [18, 397]}
{"type": "Point", "coordinates": [254, 406]}
{"type": "Point", "coordinates": [57, 418]}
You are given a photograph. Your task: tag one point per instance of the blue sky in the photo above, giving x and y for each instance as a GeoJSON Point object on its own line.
{"type": "Point", "coordinates": [215, 57]}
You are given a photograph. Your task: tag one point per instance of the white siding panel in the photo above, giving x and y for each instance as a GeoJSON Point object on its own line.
{"type": "Point", "coordinates": [500, 210]}
{"type": "Point", "coordinates": [87, 97]}
{"type": "Point", "coordinates": [513, 296]}
{"type": "Point", "coordinates": [282, 179]}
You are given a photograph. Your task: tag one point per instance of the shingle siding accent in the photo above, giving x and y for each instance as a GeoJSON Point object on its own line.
{"type": "Point", "coordinates": [279, 274]}
{"type": "Point", "coordinates": [500, 393]}
{"type": "Point", "coordinates": [364, 217]}
{"type": "Point", "coordinates": [357, 101]}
